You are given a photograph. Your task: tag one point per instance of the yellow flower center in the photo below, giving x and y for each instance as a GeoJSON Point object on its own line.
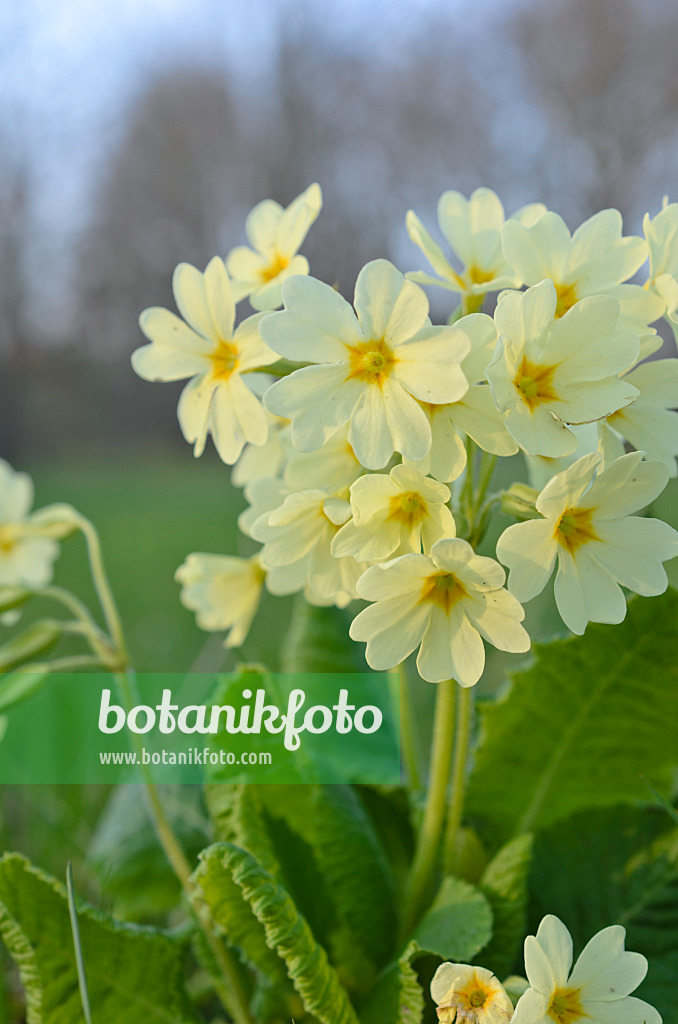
{"type": "Point", "coordinates": [565, 1006]}
{"type": "Point", "coordinates": [477, 998]}
{"type": "Point", "coordinates": [567, 296]}
{"type": "Point", "coordinates": [443, 589]}
{"type": "Point", "coordinates": [478, 276]}
{"type": "Point", "coordinates": [8, 539]}
{"type": "Point", "coordinates": [371, 362]}
{"type": "Point", "coordinates": [535, 383]}
{"type": "Point", "coordinates": [574, 528]}
{"type": "Point", "coordinates": [276, 266]}
{"type": "Point", "coordinates": [409, 508]}
{"type": "Point", "coordinates": [224, 359]}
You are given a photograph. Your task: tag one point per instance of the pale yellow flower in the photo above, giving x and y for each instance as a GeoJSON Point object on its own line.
{"type": "Point", "coordinates": [221, 396]}
{"type": "Point", "coordinates": [475, 414]}
{"type": "Point", "coordinates": [373, 366]}
{"type": "Point", "coordinates": [275, 235]}
{"type": "Point", "coordinates": [223, 591]}
{"type": "Point", "coordinates": [549, 373]}
{"type": "Point", "coordinates": [600, 546]}
{"type": "Point", "coordinates": [446, 602]}
{"type": "Point", "coordinates": [469, 995]}
{"type": "Point", "coordinates": [472, 228]}
{"type": "Point", "coordinates": [595, 260]}
{"type": "Point", "coordinates": [27, 554]}
{"type": "Point", "coordinates": [394, 514]}
{"type": "Point", "coordinates": [596, 991]}
{"type": "Point", "coordinates": [297, 536]}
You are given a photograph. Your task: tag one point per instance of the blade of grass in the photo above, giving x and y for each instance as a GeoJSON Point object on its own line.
{"type": "Point", "coordinates": [77, 946]}
{"type": "Point", "coordinates": [670, 810]}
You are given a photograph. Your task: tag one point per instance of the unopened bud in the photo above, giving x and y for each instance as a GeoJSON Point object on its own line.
{"type": "Point", "coordinates": [520, 502]}
{"type": "Point", "coordinates": [37, 639]}
{"type": "Point", "coordinates": [13, 597]}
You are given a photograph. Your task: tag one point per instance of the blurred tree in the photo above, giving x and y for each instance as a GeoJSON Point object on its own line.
{"type": "Point", "coordinates": [605, 77]}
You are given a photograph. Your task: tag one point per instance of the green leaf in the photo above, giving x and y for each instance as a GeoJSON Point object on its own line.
{"type": "Point", "coordinates": [616, 866]}
{"type": "Point", "coordinates": [133, 974]}
{"type": "Point", "coordinates": [349, 858]}
{"type": "Point", "coordinates": [135, 874]}
{"type": "Point", "coordinates": [458, 925]}
{"type": "Point", "coordinates": [318, 641]}
{"type": "Point", "coordinates": [286, 931]}
{"type": "Point", "coordinates": [319, 844]}
{"type": "Point", "coordinates": [505, 884]}
{"type": "Point", "coordinates": [581, 724]}
{"type": "Point", "coordinates": [234, 915]}
{"type": "Point", "coordinates": [397, 998]}
{"type": "Point", "coordinates": [237, 815]}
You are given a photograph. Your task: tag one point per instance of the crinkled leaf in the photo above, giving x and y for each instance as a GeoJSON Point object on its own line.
{"type": "Point", "coordinates": [348, 856]}
{"type": "Point", "coordinates": [134, 974]}
{"type": "Point", "coordinates": [235, 917]}
{"type": "Point", "coordinates": [286, 930]}
{"type": "Point", "coordinates": [397, 997]}
{"type": "Point", "coordinates": [458, 925]}
{"type": "Point", "coordinates": [581, 724]}
{"type": "Point", "coordinates": [616, 866]}
{"type": "Point", "coordinates": [505, 884]}
{"type": "Point", "coordinates": [321, 845]}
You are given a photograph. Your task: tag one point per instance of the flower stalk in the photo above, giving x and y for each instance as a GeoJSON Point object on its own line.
{"type": "Point", "coordinates": [427, 850]}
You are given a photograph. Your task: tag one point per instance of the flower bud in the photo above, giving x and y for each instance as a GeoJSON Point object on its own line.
{"type": "Point", "coordinates": [13, 597]}
{"type": "Point", "coordinates": [37, 639]}
{"type": "Point", "coordinates": [519, 502]}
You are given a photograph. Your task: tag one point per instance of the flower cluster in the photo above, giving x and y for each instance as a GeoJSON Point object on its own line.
{"type": "Point", "coordinates": [596, 991]}
{"type": "Point", "coordinates": [365, 436]}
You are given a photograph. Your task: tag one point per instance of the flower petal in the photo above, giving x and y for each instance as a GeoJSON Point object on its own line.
{"type": "Point", "coordinates": [632, 551]}
{"type": "Point", "coordinates": [451, 648]}
{"type": "Point", "coordinates": [262, 223]}
{"type": "Point", "coordinates": [389, 306]}
{"type": "Point", "coordinates": [318, 400]}
{"type": "Point", "coordinates": [430, 366]}
{"type": "Point", "coordinates": [604, 970]}
{"type": "Point", "coordinates": [529, 550]}
{"type": "Point", "coordinates": [586, 592]}
{"type": "Point", "coordinates": [627, 485]}
{"type": "Point", "coordinates": [190, 293]}
{"type": "Point", "coordinates": [176, 351]}
{"type": "Point", "coordinates": [220, 298]}
{"type": "Point", "coordinates": [392, 630]}
{"type": "Point", "coordinates": [556, 942]}
{"type": "Point", "coordinates": [193, 410]}
{"type": "Point", "coordinates": [295, 221]}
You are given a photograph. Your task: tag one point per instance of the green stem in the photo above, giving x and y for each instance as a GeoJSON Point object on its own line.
{"type": "Point", "coordinates": [77, 661]}
{"type": "Point", "coordinates": [74, 605]}
{"type": "Point", "coordinates": [428, 841]}
{"type": "Point", "coordinates": [471, 303]}
{"type": "Point", "coordinates": [103, 588]}
{"type": "Point", "coordinates": [458, 789]}
{"type": "Point", "coordinates": [487, 465]}
{"type": "Point", "coordinates": [407, 738]}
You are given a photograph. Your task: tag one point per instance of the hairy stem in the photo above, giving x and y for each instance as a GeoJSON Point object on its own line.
{"type": "Point", "coordinates": [458, 788]}
{"type": "Point", "coordinates": [428, 841]}
{"type": "Point", "coordinates": [407, 737]}
{"type": "Point", "coordinates": [103, 588]}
